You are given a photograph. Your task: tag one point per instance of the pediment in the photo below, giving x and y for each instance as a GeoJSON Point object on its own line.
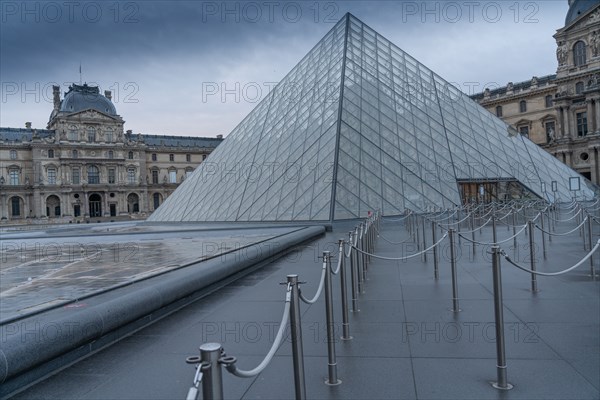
{"type": "Point", "coordinates": [92, 114]}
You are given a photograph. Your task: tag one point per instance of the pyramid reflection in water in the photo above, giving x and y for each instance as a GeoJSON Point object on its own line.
{"type": "Point", "coordinates": [360, 125]}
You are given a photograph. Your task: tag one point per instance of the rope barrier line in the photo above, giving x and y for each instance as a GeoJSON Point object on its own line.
{"type": "Point", "coordinates": [477, 229]}
{"type": "Point", "coordinates": [319, 289]}
{"type": "Point", "coordinates": [401, 219]}
{"type": "Point", "coordinates": [443, 219]}
{"type": "Point", "coordinates": [276, 343]}
{"type": "Point", "coordinates": [389, 241]}
{"type": "Point", "coordinates": [568, 219]}
{"type": "Point", "coordinates": [565, 233]}
{"type": "Point", "coordinates": [584, 259]}
{"type": "Point", "coordinates": [401, 258]}
{"type": "Point", "coordinates": [339, 265]}
{"type": "Point", "coordinates": [454, 223]}
{"type": "Point", "coordinates": [499, 242]}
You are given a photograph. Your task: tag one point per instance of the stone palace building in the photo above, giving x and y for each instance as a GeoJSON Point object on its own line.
{"type": "Point", "coordinates": [84, 167]}
{"type": "Point", "coordinates": [561, 112]}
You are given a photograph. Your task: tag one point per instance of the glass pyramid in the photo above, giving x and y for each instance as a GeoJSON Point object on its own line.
{"type": "Point", "coordinates": [359, 125]}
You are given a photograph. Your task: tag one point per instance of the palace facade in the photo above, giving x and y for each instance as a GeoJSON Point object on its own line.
{"type": "Point", "coordinates": [561, 112]}
{"type": "Point", "coordinates": [84, 167]}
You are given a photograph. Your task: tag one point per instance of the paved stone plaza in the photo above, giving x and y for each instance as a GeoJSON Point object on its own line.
{"type": "Point", "coordinates": [407, 343]}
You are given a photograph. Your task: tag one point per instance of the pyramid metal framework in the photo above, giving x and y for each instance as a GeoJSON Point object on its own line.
{"type": "Point", "coordinates": [360, 125]}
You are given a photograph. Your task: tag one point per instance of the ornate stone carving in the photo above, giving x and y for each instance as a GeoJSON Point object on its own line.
{"type": "Point", "coordinates": [594, 43]}
{"type": "Point", "coordinates": [562, 53]}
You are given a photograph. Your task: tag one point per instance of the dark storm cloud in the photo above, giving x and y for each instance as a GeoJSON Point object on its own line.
{"type": "Point", "coordinates": [160, 53]}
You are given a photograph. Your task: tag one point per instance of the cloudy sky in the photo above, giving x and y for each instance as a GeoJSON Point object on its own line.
{"type": "Point", "coordinates": [197, 68]}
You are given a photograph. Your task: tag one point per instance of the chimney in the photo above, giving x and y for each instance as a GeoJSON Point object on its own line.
{"type": "Point", "coordinates": [219, 136]}
{"type": "Point", "coordinates": [28, 125]}
{"type": "Point", "coordinates": [108, 94]}
{"type": "Point", "coordinates": [56, 96]}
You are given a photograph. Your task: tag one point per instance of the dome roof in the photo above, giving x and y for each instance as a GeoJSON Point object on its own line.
{"type": "Point", "coordinates": [83, 97]}
{"type": "Point", "coordinates": [579, 7]}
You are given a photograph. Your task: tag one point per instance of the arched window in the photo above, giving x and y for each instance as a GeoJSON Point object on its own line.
{"type": "Point", "coordinates": [522, 106]}
{"type": "Point", "coordinates": [50, 153]}
{"type": "Point", "coordinates": [93, 174]}
{"type": "Point", "coordinates": [498, 111]}
{"type": "Point", "coordinates": [91, 132]}
{"type": "Point", "coordinates": [109, 135]}
{"type": "Point", "coordinates": [75, 154]}
{"type": "Point", "coordinates": [579, 88]}
{"type": "Point", "coordinates": [130, 155]}
{"type": "Point", "coordinates": [579, 54]}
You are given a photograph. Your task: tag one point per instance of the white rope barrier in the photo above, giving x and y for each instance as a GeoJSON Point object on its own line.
{"type": "Point", "coordinates": [276, 343]}
{"type": "Point", "coordinates": [564, 233]}
{"type": "Point", "coordinates": [499, 242]}
{"type": "Point", "coordinates": [402, 258]}
{"type": "Point", "coordinates": [319, 289]}
{"type": "Point", "coordinates": [584, 259]}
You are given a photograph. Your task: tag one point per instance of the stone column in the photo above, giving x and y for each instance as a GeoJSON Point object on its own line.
{"type": "Point", "coordinates": [3, 206]}
{"type": "Point", "coordinates": [106, 209]}
{"type": "Point", "coordinates": [86, 205]}
{"type": "Point", "coordinates": [597, 113]}
{"type": "Point", "coordinates": [568, 129]}
{"type": "Point", "coordinates": [592, 161]}
{"type": "Point", "coordinates": [568, 158]}
{"type": "Point", "coordinates": [591, 120]}
{"type": "Point", "coordinates": [560, 128]}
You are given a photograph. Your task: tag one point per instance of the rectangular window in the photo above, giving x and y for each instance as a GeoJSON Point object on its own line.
{"type": "Point", "coordinates": [524, 130]}
{"type": "Point", "coordinates": [153, 156]}
{"type": "Point", "coordinates": [75, 176]}
{"type": "Point", "coordinates": [155, 177]}
{"type": "Point", "coordinates": [111, 175]}
{"type": "Point", "coordinates": [550, 131]}
{"type": "Point", "coordinates": [51, 176]}
{"type": "Point", "coordinates": [173, 176]}
{"type": "Point", "coordinates": [499, 111]}
{"type": "Point", "coordinates": [188, 157]}
{"type": "Point", "coordinates": [582, 128]}
{"type": "Point", "coordinates": [13, 177]}
{"type": "Point", "coordinates": [548, 101]}
{"type": "Point", "coordinates": [76, 210]}
{"type": "Point", "coordinates": [171, 157]}
{"type": "Point", "coordinates": [131, 175]}
{"type": "Point", "coordinates": [16, 207]}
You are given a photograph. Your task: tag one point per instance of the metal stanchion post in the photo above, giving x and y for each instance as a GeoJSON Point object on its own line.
{"type": "Point", "coordinates": [212, 381]}
{"type": "Point", "coordinates": [590, 227]}
{"type": "Point", "coordinates": [543, 237]}
{"type": "Point", "coordinates": [436, 273]}
{"type": "Point", "coordinates": [364, 260]}
{"type": "Point", "coordinates": [424, 240]}
{"type": "Point", "coordinates": [353, 273]}
{"type": "Point", "coordinates": [473, 235]}
{"type": "Point", "coordinates": [359, 259]}
{"type": "Point", "coordinates": [331, 360]}
{"type": "Point", "coordinates": [531, 227]}
{"type": "Point", "coordinates": [455, 306]}
{"type": "Point", "coordinates": [549, 226]}
{"type": "Point", "coordinates": [502, 382]}
{"type": "Point", "coordinates": [297, 350]}
{"type": "Point", "coordinates": [494, 236]}
{"type": "Point", "coordinates": [345, 323]}
{"type": "Point", "coordinates": [418, 236]}
{"type": "Point", "coordinates": [514, 224]}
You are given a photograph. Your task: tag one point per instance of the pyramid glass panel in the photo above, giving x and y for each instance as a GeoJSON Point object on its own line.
{"type": "Point", "coordinates": [359, 125]}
